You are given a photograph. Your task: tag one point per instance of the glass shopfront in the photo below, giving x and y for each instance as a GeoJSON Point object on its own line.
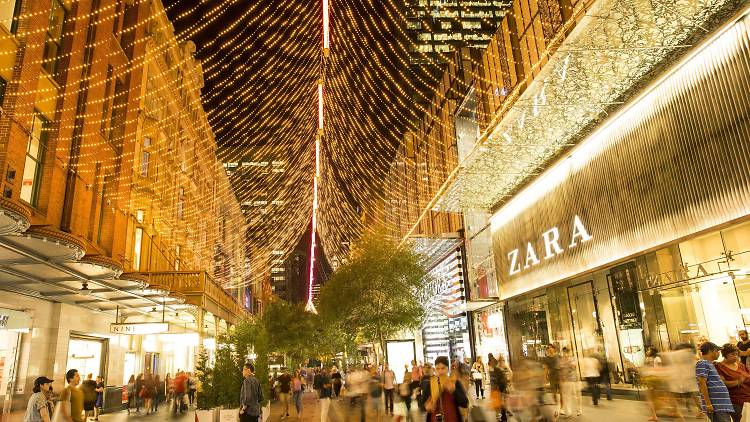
{"type": "Point", "coordinates": [688, 292]}
{"type": "Point", "coordinates": [489, 328]}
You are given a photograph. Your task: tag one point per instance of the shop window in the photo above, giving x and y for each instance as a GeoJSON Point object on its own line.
{"type": "Point", "coordinates": [53, 42]}
{"type": "Point", "coordinates": [35, 149]}
{"type": "Point", "coordinates": [9, 12]}
{"type": "Point", "coordinates": [737, 245]}
{"type": "Point", "coordinates": [86, 355]}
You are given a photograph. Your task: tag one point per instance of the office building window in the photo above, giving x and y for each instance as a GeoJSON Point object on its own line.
{"type": "Point", "coordinates": [32, 170]}
{"type": "Point", "coordinates": [137, 244]}
{"type": "Point", "coordinates": [145, 156]}
{"type": "Point", "coordinates": [53, 43]}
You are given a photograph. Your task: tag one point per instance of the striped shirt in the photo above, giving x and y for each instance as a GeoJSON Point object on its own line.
{"type": "Point", "coordinates": [717, 390]}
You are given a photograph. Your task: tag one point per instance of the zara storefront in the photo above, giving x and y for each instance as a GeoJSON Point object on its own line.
{"type": "Point", "coordinates": [641, 234]}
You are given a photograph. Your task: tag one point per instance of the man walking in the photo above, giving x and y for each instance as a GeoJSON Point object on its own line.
{"type": "Point", "coordinates": [251, 395]}
{"type": "Point", "coordinates": [72, 398]}
{"type": "Point", "coordinates": [325, 391]}
{"type": "Point", "coordinates": [285, 389]}
{"type": "Point", "coordinates": [715, 401]}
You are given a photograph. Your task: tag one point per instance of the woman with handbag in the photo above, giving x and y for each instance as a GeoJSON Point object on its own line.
{"type": "Point", "coordinates": [39, 408]}
{"type": "Point", "coordinates": [444, 395]}
{"type": "Point", "coordinates": [477, 374]}
{"type": "Point", "coordinates": [737, 378]}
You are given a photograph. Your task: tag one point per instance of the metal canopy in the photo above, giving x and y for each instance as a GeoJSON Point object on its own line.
{"type": "Point", "coordinates": [615, 49]}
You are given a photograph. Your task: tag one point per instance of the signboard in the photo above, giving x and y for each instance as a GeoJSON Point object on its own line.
{"type": "Point", "coordinates": [14, 320]}
{"type": "Point", "coordinates": [625, 293]}
{"type": "Point", "coordinates": [139, 328]}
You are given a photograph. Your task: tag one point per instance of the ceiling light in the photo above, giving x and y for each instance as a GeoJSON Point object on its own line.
{"type": "Point", "coordinates": [85, 291]}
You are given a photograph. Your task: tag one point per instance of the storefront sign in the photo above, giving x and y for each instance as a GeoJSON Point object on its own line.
{"type": "Point", "coordinates": [552, 248]}
{"type": "Point", "coordinates": [14, 320]}
{"type": "Point", "coordinates": [139, 328]}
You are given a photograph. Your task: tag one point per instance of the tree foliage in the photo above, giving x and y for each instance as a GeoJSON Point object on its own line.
{"type": "Point", "coordinates": [375, 294]}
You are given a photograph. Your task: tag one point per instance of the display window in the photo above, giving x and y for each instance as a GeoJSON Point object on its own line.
{"type": "Point", "coordinates": [87, 356]}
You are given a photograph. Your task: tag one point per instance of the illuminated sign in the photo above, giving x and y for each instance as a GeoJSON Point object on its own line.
{"type": "Point", "coordinates": [552, 248]}
{"type": "Point", "coordinates": [139, 328]}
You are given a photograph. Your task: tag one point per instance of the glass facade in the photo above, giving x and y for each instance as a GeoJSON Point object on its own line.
{"type": "Point", "coordinates": [686, 292]}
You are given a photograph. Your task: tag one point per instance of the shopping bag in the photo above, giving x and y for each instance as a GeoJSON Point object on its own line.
{"type": "Point", "coordinates": [745, 412]}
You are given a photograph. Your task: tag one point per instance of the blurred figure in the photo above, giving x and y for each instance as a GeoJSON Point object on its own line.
{"type": "Point", "coordinates": [498, 390]}
{"type": "Point", "coordinates": [570, 391]}
{"type": "Point", "coordinates": [681, 379]}
{"type": "Point", "coordinates": [88, 387]}
{"type": "Point", "coordinates": [444, 395]}
{"type": "Point", "coordinates": [736, 377]}
{"type": "Point", "coordinates": [159, 393]}
{"type": "Point", "coordinates": [148, 393]}
{"type": "Point", "coordinates": [324, 394]}
{"type": "Point", "coordinates": [551, 363]}
{"type": "Point", "coordinates": [138, 392]}
{"type": "Point", "coordinates": [192, 387]}
{"type": "Point", "coordinates": [179, 388]}
{"type": "Point", "coordinates": [376, 391]}
{"type": "Point", "coordinates": [131, 392]}
{"type": "Point", "coordinates": [650, 376]}
{"type": "Point", "coordinates": [715, 401]}
{"type": "Point", "coordinates": [590, 371]}
{"type": "Point", "coordinates": [477, 374]}
{"type": "Point", "coordinates": [357, 387]}
{"type": "Point", "coordinates": [336, 381]}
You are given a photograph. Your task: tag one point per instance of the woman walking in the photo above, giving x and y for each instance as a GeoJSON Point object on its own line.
{"type": "Point", "coordinates": [131, 392]}
{"type": "Point", "coordinates": [477, 374]}
{"type": "Point", "coordinates": [148, 393]}
{"type": "Point", "coordinates": [737, 378]}
{"type": "Point", "coordinates": [297, 392]}
{"type": "Point", "coordinates": [39, 408]}
{"type": "Point", "coordinates": [444, 395]}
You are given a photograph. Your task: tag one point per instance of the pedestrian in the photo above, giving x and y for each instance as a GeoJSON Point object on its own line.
{"type": "Point", "coordinates": [405, 392]}
{"type": "Point", "coordinates": [325, 392]}
{"type": "Point", "coordinates": [477, 374]}
{"type": "Point", "coordinates": [389, 385]}
{"type": "Point", "coordinates": [376, 391]}
{"type": "Point", "coordinates": [72, 398]}
{"type": "Point", "coordinates": [445, 396]}
{"type": "Point", "coordinates": [158, 393]}
{"type": "Point", "coordinates": [681, 381]}
{"type": "Point", "coordinates": [416, 375]}
{"type": "Point", "coordinates": [285, 390]}
{"type": "Point", "coordinates": [715, 399]}
{"type": "Point", "coordinates": [88, 387]}
{"type": "Point", "coordinates": [39, 408]}
{"type": "Point", "coordinates": [138, 392]}
{"type": "Point", "coordinates": [99, 404]}
{"type": "Point", "coordinates": [743, 346]}
{"type": "Point", "coordinates": [551, 363]}
{"type": "Point", "coordinates": [251, 395]}
{"type": "Point", "coordinates": [192, 387]}
{"type": "Point", "coordinates": [297, 392]}
{"type": "Point", "coordinates": [148, 393]}
{"type": "Point", "coordinates": [498, 389]}
{"type": "Point", "coordinates": [590, 371]}
{"type": "Point", "coordinates": [650, 376]}
{"type": "Point", "coordinates": [336, 382]}
{"type": "Point", "coordinates": [736, 377]}
{"type": "Point", "coordinates": [570, 391]}
{"type": "Point", "coordinates": [491, 359]}
{"type": "Point", "coordinates": [130, 390]}
{"type": "Point", "coordinates": [179, 388]}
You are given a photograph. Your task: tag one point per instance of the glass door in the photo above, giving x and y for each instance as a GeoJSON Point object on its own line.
{"type": "Point", "coordinates": [587, 330]}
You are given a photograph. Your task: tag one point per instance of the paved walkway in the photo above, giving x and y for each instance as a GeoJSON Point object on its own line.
{"type": "Point", "coordinates": [341, 411]}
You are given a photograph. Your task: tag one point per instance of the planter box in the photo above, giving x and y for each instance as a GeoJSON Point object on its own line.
{"type": "Point", "coordinates": [229, 415]}
{"type": "Point", "coordinates": [206, 415]}
{"type": "Point", "coordinates": [266, 412]}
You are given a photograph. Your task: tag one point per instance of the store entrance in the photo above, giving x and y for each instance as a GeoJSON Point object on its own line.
{"type": "Point", "coordinates": [9, 345]}
{"type": "Point", "coordinates": [151, 363]}
{"type": "Point", "coordinates": [87, 356]}
{"type": "Point", "coordinates": [587, 328]}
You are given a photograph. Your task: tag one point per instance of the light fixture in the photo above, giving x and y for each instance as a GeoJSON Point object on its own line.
{"type": "Point", "coordinates": [85, 291]}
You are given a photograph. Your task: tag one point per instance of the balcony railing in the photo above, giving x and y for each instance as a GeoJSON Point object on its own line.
{"type": "Point", "coordinates": [201, 290]}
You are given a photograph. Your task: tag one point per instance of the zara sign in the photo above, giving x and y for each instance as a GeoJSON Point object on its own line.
{"type": "Point", "coordinates": [553, 246]}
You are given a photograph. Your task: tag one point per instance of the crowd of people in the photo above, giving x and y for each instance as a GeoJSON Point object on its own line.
{"type": "Point", "coordinates": [83, 400]}
{"type": "Point", "coordinates": [707, 379]}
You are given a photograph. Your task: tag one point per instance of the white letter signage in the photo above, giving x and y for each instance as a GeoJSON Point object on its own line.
{"type": "Point", "coordinates": [551, 239]}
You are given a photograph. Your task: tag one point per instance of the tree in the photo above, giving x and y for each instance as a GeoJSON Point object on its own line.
{"type": "Point", "coordinates": [291, 330]}
{"type": "Point", "coordinates": [375, 294]}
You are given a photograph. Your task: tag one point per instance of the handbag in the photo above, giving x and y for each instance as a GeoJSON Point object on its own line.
{"type": "Point", "coordinates": [58, 414]}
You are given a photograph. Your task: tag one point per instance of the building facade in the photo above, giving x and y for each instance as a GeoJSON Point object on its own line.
{"type": "Point", "coordinates": [118, 230]}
